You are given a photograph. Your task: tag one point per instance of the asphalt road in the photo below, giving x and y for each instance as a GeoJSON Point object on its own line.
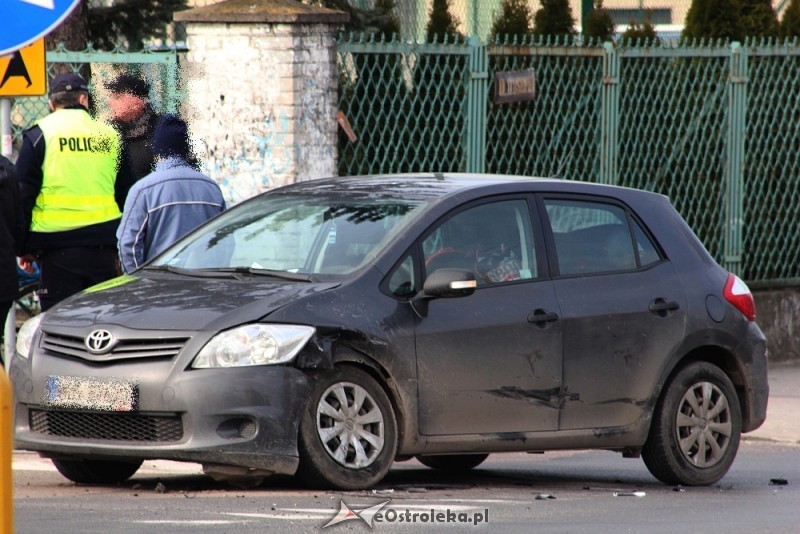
{"type": "Point", "coordinates": [565, 492]}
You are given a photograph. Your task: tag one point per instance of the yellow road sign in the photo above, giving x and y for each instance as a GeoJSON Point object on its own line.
{"type": "Point", "coordinates": [23, 72]}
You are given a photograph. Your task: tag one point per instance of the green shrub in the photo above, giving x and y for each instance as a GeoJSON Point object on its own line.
{"type": "Point", "coordinates": [515, 19]}
{"type": "Point", "coordinates": [599, 25]}
{"type": "Point", "coordinates": [554, 19]}
{"type": "Point", "coordinates": [790, 23]}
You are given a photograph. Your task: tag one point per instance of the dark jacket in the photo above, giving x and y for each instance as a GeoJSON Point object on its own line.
{"type": "Point", "coordinates": [137, 141]}
{"type": "Point", "coordinates": [30, 177]}
{"type": "Point", "coordinates": [12, 230]}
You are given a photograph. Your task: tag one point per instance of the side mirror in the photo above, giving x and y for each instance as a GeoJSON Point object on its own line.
{"type": "Point", "coordinates": [450, 283]}
{"type": "Point", "coordinates": [444, 283]}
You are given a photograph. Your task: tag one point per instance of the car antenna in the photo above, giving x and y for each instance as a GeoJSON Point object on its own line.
{"type": "Point", "coordinates": [557, 175]}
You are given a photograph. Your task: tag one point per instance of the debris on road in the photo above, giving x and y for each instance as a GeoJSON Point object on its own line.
{"type": "Point", "coordinates": [629, 494]}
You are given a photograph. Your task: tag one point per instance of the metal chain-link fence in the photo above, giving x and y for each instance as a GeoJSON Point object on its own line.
{"type": "Point", "coordinates": [715, 128]}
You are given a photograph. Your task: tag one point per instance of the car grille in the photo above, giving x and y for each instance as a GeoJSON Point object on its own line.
{"type": "Point", "coordinates": [124, 348]}
{"type": "Point", "coordinates": [107, 426]}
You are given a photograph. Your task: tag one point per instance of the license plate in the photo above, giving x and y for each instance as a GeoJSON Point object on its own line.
{"type": "Point", "coordinates": [100, 394]}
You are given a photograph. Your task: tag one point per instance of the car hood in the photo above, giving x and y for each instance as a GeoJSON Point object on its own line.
{"type": "Point", "coordinates": [175, 302]}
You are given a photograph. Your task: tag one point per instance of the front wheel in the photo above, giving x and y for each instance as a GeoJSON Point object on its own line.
{"type": "Point", "coordinates": [348, 433]}
{"type": "Point", "coordinates": [696, 428]}
{"type": "Point", "coordinates": [96, 471]}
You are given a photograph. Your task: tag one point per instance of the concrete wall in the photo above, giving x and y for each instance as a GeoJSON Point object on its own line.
{"type": "Point", "coordinates": [262, 83]}
{"type": "Point", "coordinates": [778, 315]}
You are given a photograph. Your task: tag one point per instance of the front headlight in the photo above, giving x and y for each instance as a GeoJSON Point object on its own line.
{"type": "Point", "coordinates": [26, 334]}
{"type": "Point", "coordinates": [253, 344]}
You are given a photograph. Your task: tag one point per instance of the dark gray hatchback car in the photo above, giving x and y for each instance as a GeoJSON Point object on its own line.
{"type": "Point", "coordinates": [332, 327]}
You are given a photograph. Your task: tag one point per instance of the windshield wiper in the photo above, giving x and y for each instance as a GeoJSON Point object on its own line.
{"type": "Point", "coordinates": [286, 275]}
{"type": "Point", "coordinates": [232, 272]}
{"type": "Point", "coordinates": [199, 273]}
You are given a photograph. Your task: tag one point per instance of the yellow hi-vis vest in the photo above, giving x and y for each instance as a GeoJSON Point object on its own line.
{"type": "Point", "coordinates": [79, 172]}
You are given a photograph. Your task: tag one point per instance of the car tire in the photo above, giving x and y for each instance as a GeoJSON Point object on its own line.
{"type": "Point", "coordinates": [96, 471]}
{"type": "Point", "coordinates": [696, 428]}
{"type": "Point", "coordinates": [346, 403]}
{"type": "Point", "coordinates": [453, 463]}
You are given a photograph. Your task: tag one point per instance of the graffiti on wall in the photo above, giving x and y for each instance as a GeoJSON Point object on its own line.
{"type": "Point", "coordinates": [270, 156]}
{"type": "Point", "coordinates": [259, 163]}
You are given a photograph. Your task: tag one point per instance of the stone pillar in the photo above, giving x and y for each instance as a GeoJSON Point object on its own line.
{"type": "Point", "coordinates": [261, 85]}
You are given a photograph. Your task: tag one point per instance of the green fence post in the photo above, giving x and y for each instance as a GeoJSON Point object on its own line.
{"type": "Point", "coordinates": [170, 78]}
{"type": "Point", "coordinates": [732, 179]}
{"type": "Point", "coordinates": [586, 7]}
{"type": "Point", "coordinates": [477, 89]}
{"type": "Point", "coordinates": [609, 116]}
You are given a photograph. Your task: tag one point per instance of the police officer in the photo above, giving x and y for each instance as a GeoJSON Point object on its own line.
{"type": "Point", "coordinates": [73, 181]}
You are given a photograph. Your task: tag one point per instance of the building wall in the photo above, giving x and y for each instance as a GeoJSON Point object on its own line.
{"type": "Point", "coordinates": [778, 315]}
{"type": "Point", "coordinates": [279, 84]}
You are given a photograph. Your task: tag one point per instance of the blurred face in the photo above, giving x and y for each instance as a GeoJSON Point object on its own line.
{"type": "Point", "coordinates": [125, 107]}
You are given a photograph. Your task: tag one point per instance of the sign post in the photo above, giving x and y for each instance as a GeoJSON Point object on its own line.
{"type": "Point", "coordinates": [6, 141]}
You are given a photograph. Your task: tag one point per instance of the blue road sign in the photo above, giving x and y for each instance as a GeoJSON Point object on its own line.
{"type": "Point", "coordinates": [28, 20]}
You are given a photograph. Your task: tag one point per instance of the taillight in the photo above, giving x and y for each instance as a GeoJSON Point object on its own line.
{"type": "Point", "coordinates": [737, 293]}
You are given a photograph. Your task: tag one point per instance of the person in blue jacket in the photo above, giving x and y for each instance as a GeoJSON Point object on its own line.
{"type": "Point", "coordinates": [169, 202]}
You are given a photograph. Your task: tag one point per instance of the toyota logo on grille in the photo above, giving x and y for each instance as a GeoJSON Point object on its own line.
{"type": "Point", "coordinates": [99, 342]}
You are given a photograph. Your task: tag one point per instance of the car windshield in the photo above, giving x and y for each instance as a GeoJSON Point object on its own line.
{"type": "Point", "coordinates": [292, 234]}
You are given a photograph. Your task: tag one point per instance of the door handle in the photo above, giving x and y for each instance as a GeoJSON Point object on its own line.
{"type": "Point", "coordinates": [540, 316]}
{"type": "Point", "coordinates": [662, 307]}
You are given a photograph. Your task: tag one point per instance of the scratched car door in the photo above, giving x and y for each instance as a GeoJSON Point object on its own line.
{"type": "Point", "coordinates": [623, 311]}
{"type": "Point", "coordinates": [490, 362]}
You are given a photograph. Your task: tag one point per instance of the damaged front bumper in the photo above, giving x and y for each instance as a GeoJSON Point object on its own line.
{"type": "Point", "coordinates": [245, 417]}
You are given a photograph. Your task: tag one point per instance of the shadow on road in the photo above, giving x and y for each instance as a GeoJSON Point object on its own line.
{"type": "Point", "coordinates": [519, 471]}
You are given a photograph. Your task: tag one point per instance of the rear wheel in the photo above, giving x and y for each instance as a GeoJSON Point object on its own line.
{"type": "Point", "coordinates": [96, 471]}
{"type": "Point", "coordinates": [696, 428]}
{"type": "Point", "coordinates": [348, 433]}
{"type": "Point", "coordinates": [453, 463]}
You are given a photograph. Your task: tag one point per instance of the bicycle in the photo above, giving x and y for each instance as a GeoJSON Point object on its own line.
{"type": "Point", "coordinates": [26, 305]}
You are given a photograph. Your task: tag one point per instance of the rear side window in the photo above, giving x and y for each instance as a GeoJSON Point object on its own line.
{"type": "Point", "coordinates": [648, 253]}
{"type": "Point", "coordinates": [593, 237]}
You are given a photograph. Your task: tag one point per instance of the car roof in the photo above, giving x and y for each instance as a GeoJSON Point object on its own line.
{"type": "Point", "coordinates": [428, 186]}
